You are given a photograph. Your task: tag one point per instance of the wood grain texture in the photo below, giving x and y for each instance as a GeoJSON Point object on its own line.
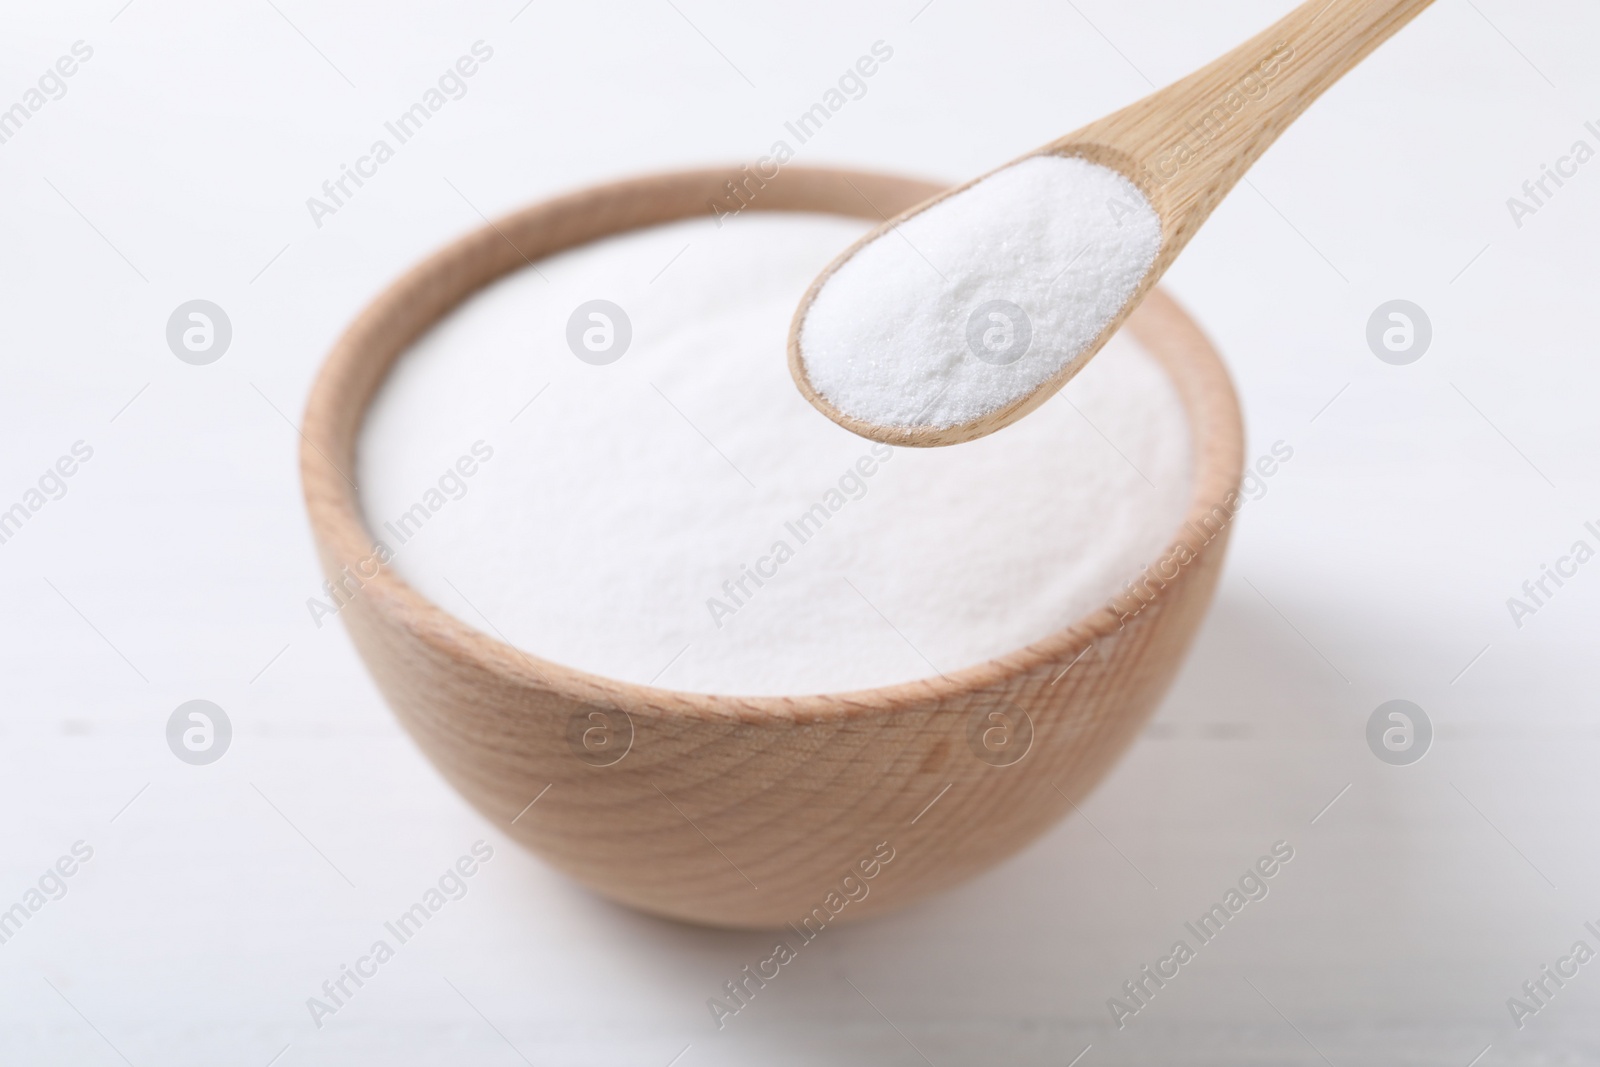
{"type": "Point", "coordinates": [1185, 147]}
{"type": "Point", "coordinates": [749, 811]}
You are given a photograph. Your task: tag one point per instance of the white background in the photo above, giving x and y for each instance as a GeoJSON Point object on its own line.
{"type": "Point", "coordinates": [1378, 566]}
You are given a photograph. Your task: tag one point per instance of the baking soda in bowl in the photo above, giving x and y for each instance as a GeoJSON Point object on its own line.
{"type": "Point", "coordinates": [605, 463]}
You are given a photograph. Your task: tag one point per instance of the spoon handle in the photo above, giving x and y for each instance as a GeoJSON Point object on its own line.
{"type": "Point", "coordinates": [1187, 145]}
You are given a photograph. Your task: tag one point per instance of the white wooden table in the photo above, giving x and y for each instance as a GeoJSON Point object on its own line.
{"type": "Point", "coordinates": [219, 898]}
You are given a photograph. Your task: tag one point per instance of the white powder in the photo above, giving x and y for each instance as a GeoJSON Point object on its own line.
{"type": "Point", "coordinates": [922, 327]}
{"type": "Point", "coordinates": [610, 512]}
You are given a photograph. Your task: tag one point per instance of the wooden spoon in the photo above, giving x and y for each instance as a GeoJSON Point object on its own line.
{"type": "Point", "coordinates": [1185, 147]}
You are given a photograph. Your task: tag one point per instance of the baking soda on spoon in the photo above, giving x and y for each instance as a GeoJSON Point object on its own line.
{"type": "Point", "coordinates": [976, 301]}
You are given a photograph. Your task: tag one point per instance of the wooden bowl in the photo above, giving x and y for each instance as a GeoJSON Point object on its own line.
{"type": "Point", "coordinates": [755, 811]}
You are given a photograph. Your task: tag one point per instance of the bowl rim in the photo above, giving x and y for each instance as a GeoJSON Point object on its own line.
{"type": "Point", "coordinates": [361, 359]}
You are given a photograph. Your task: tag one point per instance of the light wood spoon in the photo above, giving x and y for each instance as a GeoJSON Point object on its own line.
{"type": "Point", "coordinates": [1185, 147]}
